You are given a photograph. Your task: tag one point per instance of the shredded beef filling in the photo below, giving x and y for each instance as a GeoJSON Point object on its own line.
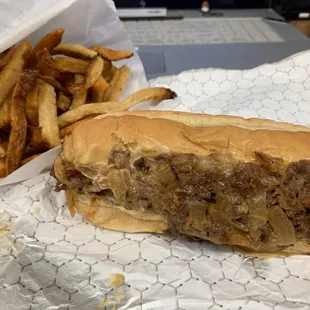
{"type": "Point", "coordinates": [260, 204]}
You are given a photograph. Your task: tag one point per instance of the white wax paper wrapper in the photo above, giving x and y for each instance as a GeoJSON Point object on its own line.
{"type": "Point", "coordinates": [50, 261]}
{"type": "Point", "coordinates": [279, 91]}
{"type": "Point", "coordinates": [85, 22]}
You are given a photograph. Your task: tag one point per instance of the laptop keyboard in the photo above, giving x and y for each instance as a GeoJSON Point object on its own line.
{"type": "Point", "coordinates": [200, 31]}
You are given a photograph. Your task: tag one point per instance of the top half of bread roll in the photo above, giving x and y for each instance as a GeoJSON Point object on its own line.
{"type": "Point", "coordinates": [157, 133]}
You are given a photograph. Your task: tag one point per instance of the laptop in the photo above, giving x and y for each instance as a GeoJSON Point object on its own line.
{"type": "Point", "coordinates": [173, 36]}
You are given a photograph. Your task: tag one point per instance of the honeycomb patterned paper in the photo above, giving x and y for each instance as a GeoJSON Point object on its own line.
{"type": "Point", "coordinates": [49, 260]}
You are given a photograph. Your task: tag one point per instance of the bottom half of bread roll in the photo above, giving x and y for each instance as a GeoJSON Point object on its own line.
{"type": "Point", "coordinates": [254, 195]}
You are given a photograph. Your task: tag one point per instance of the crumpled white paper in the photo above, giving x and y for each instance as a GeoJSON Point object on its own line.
{"type": "Point", "coordinates": [50, 261]}
{"type": "Point", "coordinates": [279, 91]}
{"type": "Point", "coordinates": [85, 22]}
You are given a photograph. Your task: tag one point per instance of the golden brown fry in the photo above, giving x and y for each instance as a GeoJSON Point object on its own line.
{"type": "Point", "coordinates": [2, 151]}
{"type": "Point", "coordinates": [32, 106]}
{"type": "Point", "coordinates": [69, 64]}
{"type": "Point", "coordinates": [65, 78]}
{"type": "Point", "coordinates": [4, 138]}
{"type": "Point", "coordinates": [117, 85]}
{"type": "Point", "coordinates": [107, 65]}
{"type": "Point", "coordinates": [2, 168]}
{"type": "Point", "coordinates": [68, 129]}
{"type": "Point", "coordinates": [5, 56]}
{"type": "Point", "coordinates": [51, 40]}
{"type": "Point", "coordinates": [50, 80]}
{"type": "Point", "coordinates": [35, 145]}
{"type": "Point", "coordinates": [48, 115]}
{"type": "Point", "coordinates": [112, 55]}
{"type": "Point", "coordinates": [29, 159]}
{"type": "Point", "coordinates": [154, 93]}
{"type": "Point", "coordinates": [74, 50]}
{"type": "Point", "coordinates": [3, 145]}
{"type": "Point", "coordinates": [92, 75]}
{"type": "Point", "coordinates": [34, 148]}
{"type": "Point", "coordinates": [44, 64]}
{"type": "Point", "coordinates": [63, 102]}
{"type": "Point", "coordinates": [18, 135]}
{"type": "Point", "coordinates": [93, 72]}
{"type": "Point", "coordinates": [85, 110]}
{"type": "Point", "coordinates": [108, 75]}
{"type": "Point", "coordinates": [101, 85]}
{"type": "Point", "coordinates": [12, 72]}
{"type": "Point", "coordinates": [5, 112]}
{"type": "Point", "coordinates": [34, 134]}
{"type": "Point", "coordinates": [80, 97]}
{"type": "Point", "coordinates": [98, 89]}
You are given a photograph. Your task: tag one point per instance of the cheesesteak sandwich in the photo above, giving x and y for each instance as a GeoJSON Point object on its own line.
{"type": "Point", "coordinates": [220, 178]}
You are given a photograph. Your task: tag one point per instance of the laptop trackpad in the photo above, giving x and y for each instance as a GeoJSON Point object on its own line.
{"type": "Point", "coordinates": [153, 62]}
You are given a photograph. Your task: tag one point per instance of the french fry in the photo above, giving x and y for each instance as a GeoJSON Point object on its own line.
{"type": "Point", "coordinates": [74, 50]}
{"type": "Point", "coordinates": [29, 159]}
{"type": "Point", "coordinates": [55, 77]}
{"type": "Point", "coordinates": [48, 115]}
{"type": "Point", "coordinates": [3, 145]}
{"type": "Point", "coordinates": [2, 151]}
{"type": "Point", "coordinates": [65, 78]}
{"type": "Point", "coordinates": [5, 112]}
{"type": "Point", "coordinates": [2, 168]}
{"type": "Point", "coordinates": [34, 134]}
{"type": "Point", "coordinates": [98, 89]}
{"type": "Point", "coordinates": [35, 144]}
{"type": "Point", "coordinates": [51, 40]}
{"type": "Point", "coordinates": [80, 97]}
{"type": "Point", "coordinates": [85, 110]}
{"type": "Point", "coordinates": [63, 102]}
{"type": "Point", "coordinates": [33, 148]}
{"type": "Point", "coordinates": [117, 85]}
{"type": "Point", "coordinates": [154, 93]}
{"type": "Point", "coordinates": [69, 64]}
{"type": "Point", "coordinates": [32, 106]}
{"type": "Point", "coordinates": [50, 80]}
{"type": "Point", "coordinates": [5, 56]}
{"type": "Point", "coordinates": [4, 138]}
{"type": "Point", "coordinates": [93, 72]}
{"type": "Point", "coordinates": [12, 72]}
{"type": "Point", "coordinates": [92, 75]}
{"type": "Point", "coordinates": [107, 65]}
{"type": "Point", "coordinates": [44, 64]}
{"type": "Point", "coordinates": [111, 55]}
{"type": "Point", "coordinates": [108, 75]}
{"type": "Point", "coordinates": [18, 135]}
{"type": "Point", "coordinates": [101, 85]}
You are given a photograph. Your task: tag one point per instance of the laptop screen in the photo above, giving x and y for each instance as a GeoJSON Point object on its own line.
{"type": "Point", "coordinates": [193, 4]}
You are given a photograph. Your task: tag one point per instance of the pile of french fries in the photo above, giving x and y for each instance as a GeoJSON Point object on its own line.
{"type": "Point", "coordinates": [48, 88]}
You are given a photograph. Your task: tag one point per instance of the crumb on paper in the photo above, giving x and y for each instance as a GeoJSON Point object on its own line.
{"type": "Point", "coordinates": [36, 210]}
{"type": "Point", "coordinates": [119, 296]}
{"type": "Point", "coordinates": [116, 280]}
{"type": "Point", "coordinates": [4, 228]}
{"type": "Point", "coordinates": [103, 303]}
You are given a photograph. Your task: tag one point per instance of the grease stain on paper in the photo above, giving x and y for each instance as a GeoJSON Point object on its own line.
{"type": "Point", "coordinates": [115, 281]}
